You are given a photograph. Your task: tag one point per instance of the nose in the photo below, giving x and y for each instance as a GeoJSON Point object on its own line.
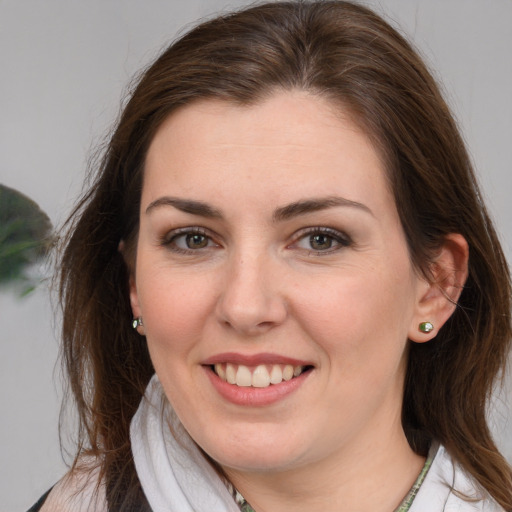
{"type": "Point", "coordinates": [252, 301]}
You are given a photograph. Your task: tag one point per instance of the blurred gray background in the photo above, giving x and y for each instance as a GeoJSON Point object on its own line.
{"type": "Point", "coordinates": [65, 65]}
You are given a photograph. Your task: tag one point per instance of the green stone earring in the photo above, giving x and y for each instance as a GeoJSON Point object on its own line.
{"type": "Point", "coordinates": [137, 322]}
{"type": "Point", "coordinates": [426, 327]}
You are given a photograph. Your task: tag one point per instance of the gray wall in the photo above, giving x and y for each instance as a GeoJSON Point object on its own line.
{"type": "Point", "coordinates": [64, 67]}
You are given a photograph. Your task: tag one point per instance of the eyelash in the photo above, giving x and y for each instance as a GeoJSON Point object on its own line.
{"type": "Point", "coordinates": [169, 240]}
{"type": "Point", "coordinates": [341, 240]}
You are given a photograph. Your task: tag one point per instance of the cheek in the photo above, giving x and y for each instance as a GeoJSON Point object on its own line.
{"type": "Point", "coordinates": [359, 320]}
{"type": "Point", "coordinates": [174, 310]}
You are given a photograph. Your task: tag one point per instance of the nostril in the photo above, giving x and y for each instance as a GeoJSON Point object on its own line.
{"type": "Point", "coordinates": [251, 316]}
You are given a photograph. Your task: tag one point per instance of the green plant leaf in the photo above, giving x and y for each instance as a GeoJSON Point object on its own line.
{"type": "Point", "coordinates": [25, 237]}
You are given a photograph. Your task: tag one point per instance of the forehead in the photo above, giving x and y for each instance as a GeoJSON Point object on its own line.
{"type": "Point", "coordinates": [289, 142]}
{"type": "Point", "coordinates": [266, 120]}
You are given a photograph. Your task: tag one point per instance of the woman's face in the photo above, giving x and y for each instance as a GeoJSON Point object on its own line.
{"type": "Point", "coordinates": [270, 243]}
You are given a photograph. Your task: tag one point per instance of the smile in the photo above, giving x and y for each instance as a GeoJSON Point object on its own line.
{"type": "Point", "coordinates": [260, 376]}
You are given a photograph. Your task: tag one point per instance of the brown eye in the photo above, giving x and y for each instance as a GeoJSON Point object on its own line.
{"type": "Point", "coordinates": [188, 240]}
{"type": "Point", "coordinates": [320, 242]}
{"type": "Point", "coordinates": [196, 241]}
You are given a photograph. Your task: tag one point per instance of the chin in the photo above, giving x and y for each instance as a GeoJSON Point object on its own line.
{"type": "Point", "coordinates": [271, 455]}
{"type": "Point", "coordinates": [256, 463]}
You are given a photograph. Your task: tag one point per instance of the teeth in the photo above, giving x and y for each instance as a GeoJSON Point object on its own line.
{"type": "Point", "coordinates": [243, 376]}
{"type": "Point", "coordinates": [288, 372]}
{"type": "Point", "coordinates": [230, 374]}
{"type": "Point", "coordinates": [276, 375]}
{"type": "Point", "coordinates": [259, 377]}
{"type": "Point", "coordinates": [219, 370]}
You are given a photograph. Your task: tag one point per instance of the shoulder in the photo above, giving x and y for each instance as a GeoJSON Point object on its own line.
{"type": "Point", "coordinates": [79, 491]}
{"type": "Point", "coordinates": [448, 488]}
{"type": "Point", "coordinates": [37, 506]}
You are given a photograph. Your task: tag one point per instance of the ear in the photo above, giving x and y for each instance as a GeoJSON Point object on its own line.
{"type": "Point", "coordinates": [134, 302]}
{"type": "Point", "coordinates": [437, 298]}
{"type": "Point", "coordinates": [134, 298]}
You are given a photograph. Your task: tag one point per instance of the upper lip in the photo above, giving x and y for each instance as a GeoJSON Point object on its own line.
{"type": "Point", "coordinates": [254, 359]}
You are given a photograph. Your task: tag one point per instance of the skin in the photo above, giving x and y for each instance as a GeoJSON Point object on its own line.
{"type": "Point", "coordinates": [254, 282]}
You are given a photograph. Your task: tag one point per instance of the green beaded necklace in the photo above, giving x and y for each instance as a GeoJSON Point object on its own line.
{"type": "Point", "coordinates": [403, 507]}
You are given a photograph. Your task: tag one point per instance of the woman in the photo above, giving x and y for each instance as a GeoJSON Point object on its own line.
{"type": "Point", "coordinates": [283, 290]}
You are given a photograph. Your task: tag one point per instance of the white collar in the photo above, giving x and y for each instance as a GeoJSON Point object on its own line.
{"type": "Point", "coordinates": [445, 485]}
{"type": "Point", "coordinates": [174, 474]}
{"type": "Point", "coordinates": [176, 477]}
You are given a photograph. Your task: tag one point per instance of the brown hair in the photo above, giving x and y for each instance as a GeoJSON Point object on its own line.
{"type": "Point", "coordinates": [349, 55]}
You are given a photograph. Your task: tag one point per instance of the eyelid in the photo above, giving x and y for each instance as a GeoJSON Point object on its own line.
{"type": "Point", "coordinates": [170, 236]}
{"type": "Point", "coordinates": [341, 238]}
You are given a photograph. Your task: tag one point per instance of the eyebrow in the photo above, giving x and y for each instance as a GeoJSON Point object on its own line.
{"type": "Point", "coordinates": [281, 214]}
{"type": "Point", "coordinates": [313, 205]}
{"type": "Point", "coordinates": [187, 206]}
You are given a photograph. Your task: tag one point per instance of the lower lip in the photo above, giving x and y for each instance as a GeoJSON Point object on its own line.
{"type": "Point", "coordinates": [255, 397]}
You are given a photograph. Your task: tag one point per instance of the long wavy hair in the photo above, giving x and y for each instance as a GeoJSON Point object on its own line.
{"type": "Point", "coordinates": [349, 55]}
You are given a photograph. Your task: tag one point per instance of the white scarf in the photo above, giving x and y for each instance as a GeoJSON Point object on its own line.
{"type": "Point", "coordinates": [176, 477]}
{"type": "Point", "coordinates": [174, 474]}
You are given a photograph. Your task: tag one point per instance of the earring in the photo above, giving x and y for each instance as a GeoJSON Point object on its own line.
{"type": "Point", "coordinates": [137, 322]}
{"type": "Point", "coordinates": [426, 327]}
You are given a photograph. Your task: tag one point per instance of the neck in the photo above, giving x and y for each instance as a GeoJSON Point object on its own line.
{"type": "Point", "coordinates": [376, 478]}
